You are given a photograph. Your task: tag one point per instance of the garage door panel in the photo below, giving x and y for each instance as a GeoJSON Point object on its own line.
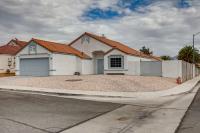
{"type": "Point", "coordinates": [34, 67]}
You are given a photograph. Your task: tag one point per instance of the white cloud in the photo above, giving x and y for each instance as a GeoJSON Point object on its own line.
{"type": "Point", "coordinates": [163, 27]}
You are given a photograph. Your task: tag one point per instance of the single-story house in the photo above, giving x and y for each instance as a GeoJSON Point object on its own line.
{"type": "Point", "coordinates": [88, 54]}
{"type": "Point", "coordinates": [7, 55]}
{"type": "Point", "coordinates": [109, 56]}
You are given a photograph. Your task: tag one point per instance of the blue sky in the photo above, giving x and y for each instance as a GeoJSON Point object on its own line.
{"type": "Point", "coordinates": [183, 4]}
{"type": "Point", "coordinates": [96, 13]}
{"type": "Point", "coordinates": [164, 26]}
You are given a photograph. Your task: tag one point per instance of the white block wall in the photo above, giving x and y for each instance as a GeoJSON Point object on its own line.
{"type": "Point", "coordinates": [134, 68]}
{"type": "Point", "coordinates": [172, 68]}
{"type": "Point", "coordinates": [178, 68]}
{"type": "Point", "coordinates": [134, 64]}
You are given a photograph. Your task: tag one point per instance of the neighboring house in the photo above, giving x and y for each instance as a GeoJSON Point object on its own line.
{"type": "Point", "coordinates": [108, 56]}
{"type": "Point", "coordinates": [88, 54]}
{"type": "Point", "coordinates": [7, 55]}
{"type": "Point", "coordinates": [44, 58]}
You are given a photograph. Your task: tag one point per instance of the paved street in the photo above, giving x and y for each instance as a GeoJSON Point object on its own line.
{"type": "Point", "coordinates": [31, 113]}
{"type": "Point", "coordinates": [34, 113]}
{"type": "Point", "coordinates": [191, 122]}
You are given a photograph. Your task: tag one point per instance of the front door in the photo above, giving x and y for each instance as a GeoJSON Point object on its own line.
{"type": "Point", "coordinates": [100, 66]}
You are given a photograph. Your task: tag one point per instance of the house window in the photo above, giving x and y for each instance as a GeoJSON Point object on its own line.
{"type": "Point", "coordinates": [85, 39]}
{"type": "Point", "coordinates": [116, 61]}
{"type": "Point", "coordinates": [9, 62]}
{"type": "Point", "coordinates": [32, 49]}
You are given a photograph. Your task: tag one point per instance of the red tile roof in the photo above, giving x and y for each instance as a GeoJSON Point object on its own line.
{"type": "Point", "coordinates": [21, 43]}
{"type": "Point", "coordinates": [60, 48]}
{"type": "Point", "coordinates": [117, 45]}
{"type": "Point", "coordinates": [155, 57]}
{"type": "Point", "coordinates": [12, 49]}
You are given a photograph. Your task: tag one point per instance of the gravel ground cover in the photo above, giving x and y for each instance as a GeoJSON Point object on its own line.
{"type": "Point", "coordinates": [123, 83]}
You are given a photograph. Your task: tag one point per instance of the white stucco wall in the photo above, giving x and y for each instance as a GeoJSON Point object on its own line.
{"type": "Point", "coordinates": [17, 69]}
{"type": "Point", "coordinates": [87, 67]}
{"type": "Point", "coordinates": [64, 64]}
{"type": "Point", "coordinates": [90, 47]}
{"type": "Point", "coordinates": [79, 65]}
{"type": "Point", "coordinates": [4, 63]}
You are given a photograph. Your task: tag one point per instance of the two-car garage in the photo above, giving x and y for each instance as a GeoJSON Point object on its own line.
{"type": "Point", "coordinates": [34, 67]}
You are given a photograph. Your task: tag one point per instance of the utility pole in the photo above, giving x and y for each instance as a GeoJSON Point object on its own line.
{"type": "Point", "coordinates": [193, 58]}
{"type": "Point", "coordinates": [193, 51]}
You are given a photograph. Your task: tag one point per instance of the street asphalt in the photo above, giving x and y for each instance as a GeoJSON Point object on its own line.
{"type": "Point", "coordinates": [191, 121]}
{"type": "Point", "coordinates": [32, 113]}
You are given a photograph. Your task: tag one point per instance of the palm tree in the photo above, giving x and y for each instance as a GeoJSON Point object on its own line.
{"type": "Point", "coordinates": [165, 57]}
{"type": "Point", "coordinates": [146, 50]}
{"type": "Point", "coordinates": [186, 54]}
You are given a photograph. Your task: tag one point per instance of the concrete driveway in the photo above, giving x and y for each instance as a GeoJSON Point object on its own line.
{"type": "Point", "coordinates": [31, 113]}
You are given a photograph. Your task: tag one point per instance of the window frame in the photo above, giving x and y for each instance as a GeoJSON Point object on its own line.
{"type": "Point", "coordinates": [85, 39]}
{"type": "Point", "coordinates": [116, 56]}
{"type": "Point", "coordinates": [30, 49]}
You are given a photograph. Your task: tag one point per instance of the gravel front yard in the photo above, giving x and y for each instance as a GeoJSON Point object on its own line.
{"type": "Point", "coordinates": [94, 82]}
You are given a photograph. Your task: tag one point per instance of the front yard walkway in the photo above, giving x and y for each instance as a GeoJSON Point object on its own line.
{"type": "Point", "coordinates": [120, 83]}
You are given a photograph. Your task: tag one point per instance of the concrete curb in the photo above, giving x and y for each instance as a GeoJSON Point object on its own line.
{"type": "Point", "coordinates": [181, 121]}
{"type": "Point", "coordinates": [180, 89]}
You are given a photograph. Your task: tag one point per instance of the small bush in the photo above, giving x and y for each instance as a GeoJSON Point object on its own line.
{"type": "Point", "coordinates": [8, 71]}
{"type": "Point", "coordinates": [77, 73]}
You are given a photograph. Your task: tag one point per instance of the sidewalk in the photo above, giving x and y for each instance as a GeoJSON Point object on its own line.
{"type": "Point", "coordinates": [183, 88]}
{"type": "Point", "coordinates": [163, 118]}
{"type": "Point", "coordinates": [191, 121]}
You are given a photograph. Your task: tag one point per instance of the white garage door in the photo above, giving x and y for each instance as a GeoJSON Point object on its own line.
{"type": "Point", "coordinates": [34, 67]}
